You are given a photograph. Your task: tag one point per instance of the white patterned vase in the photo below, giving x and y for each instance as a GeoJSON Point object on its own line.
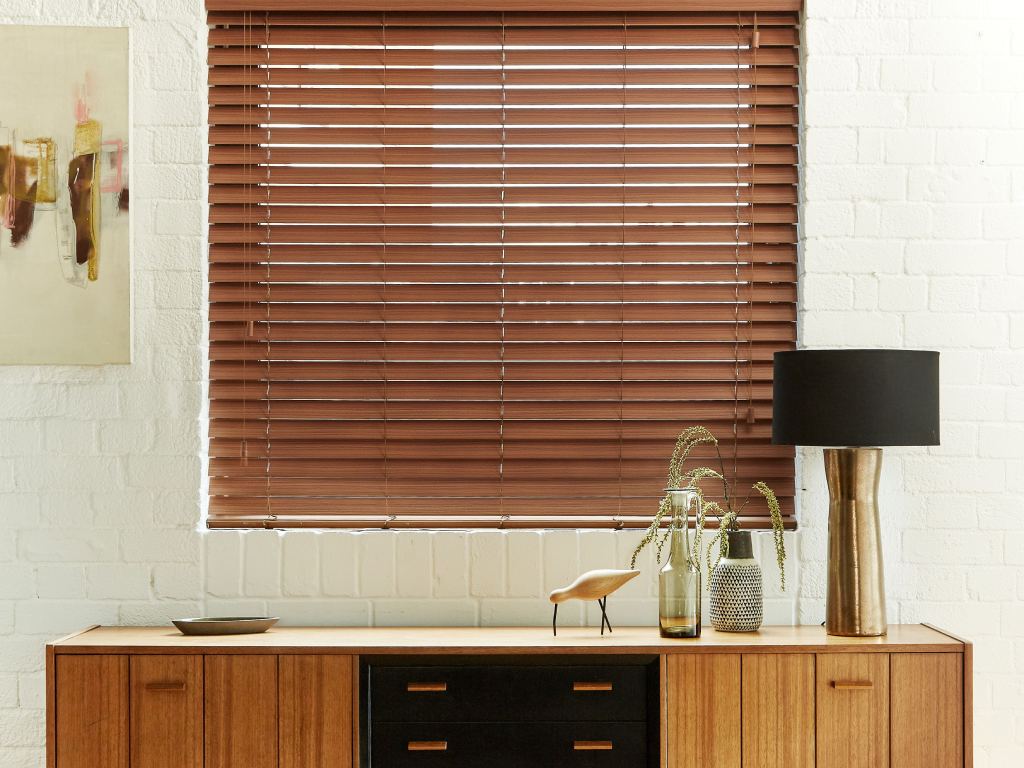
{"type": "Point", "coordinates": [737, 603]}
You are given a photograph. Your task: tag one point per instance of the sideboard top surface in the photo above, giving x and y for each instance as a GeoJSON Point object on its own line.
{"type": "Point", "coordinates": [500, 640]}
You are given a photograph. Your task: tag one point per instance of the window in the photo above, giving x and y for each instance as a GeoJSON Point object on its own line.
{"type": "Point", "coordinates": [480, 268]}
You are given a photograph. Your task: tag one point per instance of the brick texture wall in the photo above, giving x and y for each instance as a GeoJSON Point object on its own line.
{"type": "Point", "coordinates": [913, 226]}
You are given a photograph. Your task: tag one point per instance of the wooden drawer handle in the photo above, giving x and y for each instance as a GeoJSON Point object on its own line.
{"type": "Point", "coordinates": [592, 746]}
{"type": "Point", "coordinates": [852, 685]}
{"type": "Point", "coordinates": [428, 746]}
{"type": "Point", "coordinates": [591, 686]}
{"type": "Point", "coordinates": [165, 686]}
{"type": "Point", "coordinates": [422, 687]}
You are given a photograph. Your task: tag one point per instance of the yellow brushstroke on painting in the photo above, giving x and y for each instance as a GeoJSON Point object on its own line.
{"type": "Point", "coordinates": [88, 138]}
{"type": "Point", "coordinates": [46, 169]}
{"type": "Point", "coordinates": [89, 141]}
{"type": "Point", "coordinates": [6, 177]}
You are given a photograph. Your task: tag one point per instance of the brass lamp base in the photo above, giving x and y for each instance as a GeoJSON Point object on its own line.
{"type": "Point", "coordinates": [855, 606]}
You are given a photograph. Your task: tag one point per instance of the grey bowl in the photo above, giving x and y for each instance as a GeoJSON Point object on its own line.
{"type": "Point", "coordinates": [225, 625]}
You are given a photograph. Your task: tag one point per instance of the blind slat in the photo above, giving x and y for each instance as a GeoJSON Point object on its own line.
{"type": "Point", "coordinates": [299, 372]}
{"type": "Point", "coordinates": [302, 76]}
{"type": "Point", "coordinates": [257, 114]}
{"type": "Point", "coordinates": [362, 195]}
{"type": "Point", "coordinates": [724, 33]}
{"type": "Point", "coordinates": [353, 57]}
{"type": "Point", "coordinates": [502, 273]}
{"type": "Point", "coordinates": [635, 96]}
{"type": "Point", "coordinates": [479, 390]}
{"type": "Point", "coordinates": [449, 351]}
{"type": "Point", "coordinates": [522, 254]}
{"type": "Point", "coordinates": [512, 156]}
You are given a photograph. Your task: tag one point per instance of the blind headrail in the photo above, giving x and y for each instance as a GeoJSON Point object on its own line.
{"type": "Point", "coordinates": [505, 5]}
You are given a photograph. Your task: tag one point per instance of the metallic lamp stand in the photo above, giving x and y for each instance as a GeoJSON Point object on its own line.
{"type": "Point", "coordinates": [855, 606]}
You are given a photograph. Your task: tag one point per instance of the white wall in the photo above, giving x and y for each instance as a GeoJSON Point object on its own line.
{"type": "Point", "coordinates": [914, 220]}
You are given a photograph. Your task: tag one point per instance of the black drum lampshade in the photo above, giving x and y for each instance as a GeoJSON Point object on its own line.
{"type": "Point", "coordinates": [856, 397]}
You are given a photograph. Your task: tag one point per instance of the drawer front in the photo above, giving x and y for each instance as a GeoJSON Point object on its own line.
{"type": "Point", "coordinates": [508, 693]}
{"type": "Point", "coordinates": [928, 710]}
{"type": "Point", "coordinates": [521, 745]}
{"type": "Point", "coordinates": [166, 723]}
{"type": "Point", "coordinates": [777, 699]}
{"type": "Point", "coordinates": [91, 710]}
{"type": "Point", "coordinates": [852, 710]}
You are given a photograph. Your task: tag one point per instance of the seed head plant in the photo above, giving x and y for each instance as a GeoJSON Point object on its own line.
{"type": "Point", "coordinates": [726, 512]}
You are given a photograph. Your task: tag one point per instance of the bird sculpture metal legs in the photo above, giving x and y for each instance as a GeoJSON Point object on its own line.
{"type": "Point", "coordinates": [603, 602]}
{"type": "Point", "coordinates": [605, 621]}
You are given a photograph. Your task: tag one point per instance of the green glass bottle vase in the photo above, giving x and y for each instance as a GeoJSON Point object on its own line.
{"type": "Point", "coordinates": [679, 579]}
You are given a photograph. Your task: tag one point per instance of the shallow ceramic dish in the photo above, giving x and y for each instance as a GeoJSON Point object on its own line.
{"type": "Point", "coordinates": [225, 625]}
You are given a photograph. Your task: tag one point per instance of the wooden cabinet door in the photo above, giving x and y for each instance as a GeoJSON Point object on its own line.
{"type": "Point", "coordinates": [927, 710]}
{"type": "Point", "coordinates": [91, 711]}
{"type": "Point", "coordinates": [167, 711]}
{"type": "Point", "coordinates": [241, 711]}
{"type": "Point", "coordinates": [853, 710]}
{"type": "Point", "coordinates": [316, 697]}
{"type": "Point", "coordinates": [778, 710]}
{"type": "Point", "coordinates": [702, 692]}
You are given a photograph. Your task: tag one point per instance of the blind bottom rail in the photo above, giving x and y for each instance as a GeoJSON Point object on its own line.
{"type": "Point", "coordinates": [421, 522]}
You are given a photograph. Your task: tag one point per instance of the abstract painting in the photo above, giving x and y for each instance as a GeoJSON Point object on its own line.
{"type": "Point", "coordinates": [65, 271]}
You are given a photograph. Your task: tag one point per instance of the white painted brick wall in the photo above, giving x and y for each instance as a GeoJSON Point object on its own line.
{"type": "Point", "coordinates": [913, 219]}
{"type": "Point", "coordinates": [925, 140]}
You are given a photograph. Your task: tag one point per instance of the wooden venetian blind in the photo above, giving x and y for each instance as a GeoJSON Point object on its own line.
{"type": "Point", "coordinates": [480, 269]}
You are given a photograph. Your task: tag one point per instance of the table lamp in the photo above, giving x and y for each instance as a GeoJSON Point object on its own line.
{"type": "Point", "coordinates": [855, 401]}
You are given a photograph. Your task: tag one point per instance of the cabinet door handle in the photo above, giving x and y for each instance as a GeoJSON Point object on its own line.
{"type": "Point", "coordinates": [423, 687]}
{"type": "Point", "coordinates": [580, 686]}
{"type": "Point", "coordinates": [165, 686]}
{"type": "Point", "coordinates": [852, 685]}
{"type": "Point", "coordinates": [592, 746]}
{"type": "Point", "coordinates": [428, 746]}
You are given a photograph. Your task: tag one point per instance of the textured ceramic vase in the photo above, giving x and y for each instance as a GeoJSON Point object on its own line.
{"type": "Point", "coordinates": [737, 602]}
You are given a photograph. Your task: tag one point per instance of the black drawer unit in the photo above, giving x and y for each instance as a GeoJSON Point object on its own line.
{"type": "Point", "coordinates": [504, 745]}
{"type": "Point", "coordinates": [521, 712]}
{"type": "Point", "coordinates": [500, 694]}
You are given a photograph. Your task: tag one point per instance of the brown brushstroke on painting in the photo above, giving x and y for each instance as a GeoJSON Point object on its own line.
{"type": "Point", "coordinates": [24, 215]}
{"type": "Point", "coordinates": [21, 174]}
{"type": "Point", "coordinates": [122, 200]}
{"type": "Point", "coordinates": [26, 174]}
{"type": "Point", "coordinates": [80, 188]}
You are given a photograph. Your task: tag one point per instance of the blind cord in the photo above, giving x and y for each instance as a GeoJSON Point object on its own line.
{"type": "Point", "coordinates": [384, 271]}
{"type": "Point", "coordinates": [751, 416]}
{"type": "Point", "coordinates": [622, 272]}
{"type": "Point", "coordinates": [501, 306]}
{"type": "Point", "coordinates": [736, 260]}
{"type": "Point", "coordinates": [268, 473]}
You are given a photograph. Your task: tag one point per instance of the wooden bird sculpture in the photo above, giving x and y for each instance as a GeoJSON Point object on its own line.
{"type": "Point", "coordinates": [592, 585]}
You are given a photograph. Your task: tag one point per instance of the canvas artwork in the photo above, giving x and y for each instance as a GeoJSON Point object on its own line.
{"type": "Point", "coordinates": [65, 273]}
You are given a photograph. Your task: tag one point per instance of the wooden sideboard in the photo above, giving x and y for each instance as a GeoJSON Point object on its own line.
{"type": "Point", "coordinates": [784, 697]}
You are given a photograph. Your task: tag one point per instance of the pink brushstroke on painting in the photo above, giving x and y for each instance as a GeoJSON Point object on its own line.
{"type": "Point", "coordinates": [113, 152]}
{"type": "Point", "coordinates": [82, 93]}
